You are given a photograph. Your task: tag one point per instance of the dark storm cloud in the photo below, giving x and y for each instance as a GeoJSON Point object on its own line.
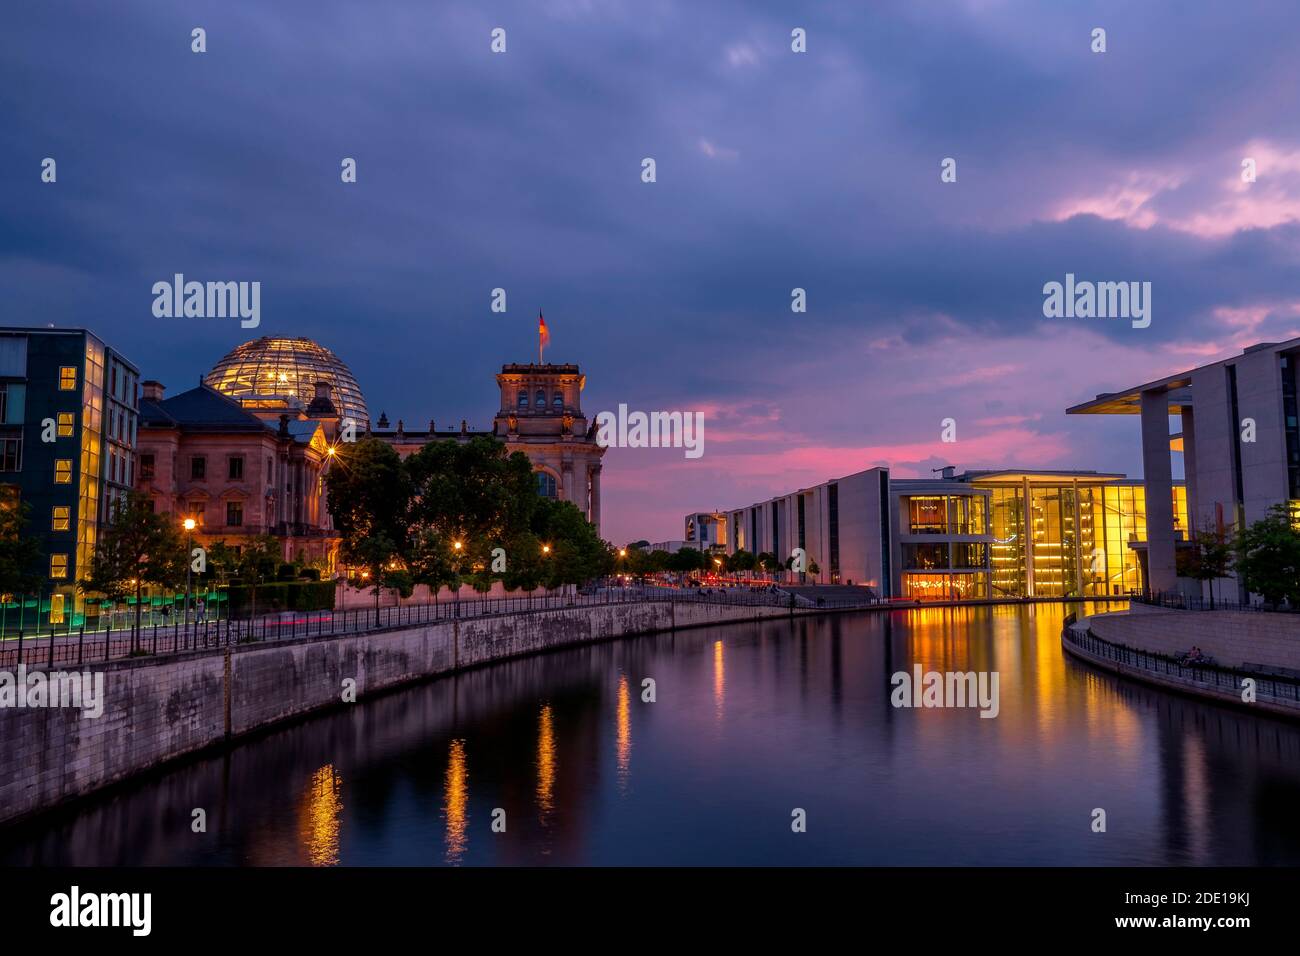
{"type": "Point", "coordinates": [522, 171]}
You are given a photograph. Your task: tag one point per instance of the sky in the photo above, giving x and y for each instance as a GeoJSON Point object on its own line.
{"type": "Point", "coordinates": [775, 170]}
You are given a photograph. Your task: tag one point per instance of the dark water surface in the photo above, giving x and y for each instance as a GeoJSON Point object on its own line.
{"type": "Point", "coordinates": [751, 721]}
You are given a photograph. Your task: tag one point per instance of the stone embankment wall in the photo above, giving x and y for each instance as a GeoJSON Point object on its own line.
{"type": "Point", "coordinates": [158, 710]}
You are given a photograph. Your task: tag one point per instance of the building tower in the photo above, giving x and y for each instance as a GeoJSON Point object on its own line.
{"type": "Point", "coordinates": [541, 415]}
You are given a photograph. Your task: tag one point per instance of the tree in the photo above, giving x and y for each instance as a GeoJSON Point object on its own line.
{"type": "Point", "coordinates": [571, 551]}
{"type": "Point", "coordinates": [450, 512]}
{"type": "Point", "coordinates": [20, 554]}
{"type": "Point", "coordinates": [467, 499]}
{"type": "Point", "coordinates": [378, 555]}
{"type": "Point", "coordinates": [1208, 559]}
{"type": "Point", "coordinates": [255, 561]}
{"type": "Point", "coordinates": [370, 495]}
{"type": "Point", "coordinates": [137, 548]}
{"type": "Point", "coordinates": [743, 560]}
{"type": "Point", "coordinates": [686, 560]}
{"type": "Point", "coordinates": [1268, 557]}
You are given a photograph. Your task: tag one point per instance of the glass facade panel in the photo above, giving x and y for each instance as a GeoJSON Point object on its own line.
{"type": "Point", "coordinates": [927, 514]}
{"type": "Point", "coordinates": [92, 425]}
{"type": "Point", "coordinates": [1007, 525]}
{"type": "Point", "coordinates": [945, 587]}
{"type": "Point", "coordinates": [925, 556]}
{"type": "Point", "coordinates": [970, 554]}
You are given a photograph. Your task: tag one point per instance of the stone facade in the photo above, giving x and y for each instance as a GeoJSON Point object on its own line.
{"type": "Point", "coordinates": [239, 472]}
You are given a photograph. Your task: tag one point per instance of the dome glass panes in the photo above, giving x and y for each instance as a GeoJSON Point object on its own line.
{"type": "Point", "coordinates": [268, 368]}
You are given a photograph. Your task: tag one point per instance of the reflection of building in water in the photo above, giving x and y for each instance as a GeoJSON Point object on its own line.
{"type": "Point", "coordinates": [455, 806]}
{"type": "Point", "coordinates": [319, 817]}
{"type": "Point", "coordinates": [624, 733]}
{"type": "Point", "coordinates": [719, 677]}
{"type": "Point", "coordinates": [545, 762]}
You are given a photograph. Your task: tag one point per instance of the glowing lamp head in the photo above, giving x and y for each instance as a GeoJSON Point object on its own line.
{"type": "Point", "coordinates": [546, 549]}
{"type": "Point", "coordinates": [457, 545]}
{"type": "Point", "coordinates": [189, 524]}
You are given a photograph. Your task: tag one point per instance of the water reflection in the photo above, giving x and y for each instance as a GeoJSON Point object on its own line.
{"type": "Point", "coordinates": [455, 805]}
{"type": "Point", "coordinates": [624, 738]}
{"type": "Point", "coordinates": [719, 676]}
{"type": "Point", "coordinates": [751, 720]}
{"type": "Point", "coordinates": [320, 814]}
{"type": "Point", "coordinates": [545, 763]}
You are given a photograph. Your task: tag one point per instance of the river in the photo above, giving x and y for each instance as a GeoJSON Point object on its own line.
{"type": "Point", "coordinates": [751, 723]}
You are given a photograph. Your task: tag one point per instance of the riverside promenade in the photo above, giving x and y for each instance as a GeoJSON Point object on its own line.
{"type": "Point", "coordinates": [1252, 656]}
{"type": "Point", "coordinates": [186, 690]}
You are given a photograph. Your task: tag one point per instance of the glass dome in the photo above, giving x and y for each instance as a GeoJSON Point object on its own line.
{"type": "Point", "coordinates": [270, 369]}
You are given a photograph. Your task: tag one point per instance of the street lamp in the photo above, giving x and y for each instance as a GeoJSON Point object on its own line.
{"type": "Point", "coordinates": [189, 564]}
{"type": "Point", "coordinates": [457, 546]}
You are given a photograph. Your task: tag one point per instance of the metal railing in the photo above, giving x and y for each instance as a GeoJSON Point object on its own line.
{"type": "Point", "coordinates": [1275, 686]}
{"type": "Point", "coordinates": [1178, 601]}
{"type": "Point", "coordinates": [49, 650]}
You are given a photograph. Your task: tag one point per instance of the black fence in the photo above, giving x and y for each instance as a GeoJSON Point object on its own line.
{"type": "Point", "coordinates": [1274, 686]}
{"type": "Point", "coordinates": [78, 647]}
{"type": "Point", "coordinates": [1182, 602]}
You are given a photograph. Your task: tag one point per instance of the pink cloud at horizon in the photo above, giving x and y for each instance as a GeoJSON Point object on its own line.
{"type": "Point", "coordinates": [836, 417]}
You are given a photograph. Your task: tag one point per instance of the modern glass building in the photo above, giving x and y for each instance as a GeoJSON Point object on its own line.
{"type": "Point", "coordinates": [977, 535]}
{"type": "Point", "coordinates": [1238, 435]}
{"type": "Point", "coordinates": [68, 424]}
{"type": "Point", "coordinates": [942, 545]}
{"type": "Point", "coordinates": [1067, 533]}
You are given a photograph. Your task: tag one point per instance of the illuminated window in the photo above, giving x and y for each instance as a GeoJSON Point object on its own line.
{"type": "Point", "coordinates": [66, 423]}
{"type": "Point", "coordinates": [62, 519]}
{"type": "Point", "coordinates": [56, 608]}
{"type": "Point", "coordinates": [67, 378]}
{"type": "Point", "coordinates": [927, 515]}
{"type": "Point", "coordinates": [63, 471]}
{"type": "Point", "coordinates": [58, 566]}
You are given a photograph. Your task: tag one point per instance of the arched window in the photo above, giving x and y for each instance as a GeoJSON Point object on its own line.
{"type": "Point", "coordinates": [546, 484]}
{"type": "Point", "coordinates": [539, 400]}
{"type": "Point", "coordinates": [557, 402]}
{"type": "Point", "coordinates": [523, 398]}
